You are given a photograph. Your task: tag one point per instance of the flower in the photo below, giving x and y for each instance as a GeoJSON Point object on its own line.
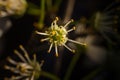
{"type": "Point", "coordinates": [27, 69]}
{"type": "Point", "coordinates": [57, 36]}
{"type": "Point", "coordinates": [12, 7]}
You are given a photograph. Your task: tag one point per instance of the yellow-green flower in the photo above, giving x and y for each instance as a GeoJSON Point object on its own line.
{"type": "Point", "coordinates": [27, 69]}
{"type": "Point", "coordinates": [57, 36]}
{"type": "Point", "coordinates": [12, 7]}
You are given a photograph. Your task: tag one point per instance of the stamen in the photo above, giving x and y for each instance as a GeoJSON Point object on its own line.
{"type": "Point", "coordinates": [27, 79]}
{"type": "Point", "coordinates": [76, 42]}
{"type": "Point", "coordinates": [34, 57]}
{"type": "Point", "coordinates": [12, 61]}
{"type": "Point", "coordinates": [56, 50]}
{"type": "Point", "coordinates": [68, 23]}
{"type": "Point", "coordinates": [7, 67]}
{"type": "Point", "coordinates": [12, 69]}
{"type": "Point", "coordinates": [20, 56]}
{"type": "Point", "coordinates": [54, 23]}
{"type": "Point", "coordinates": [42, 40]}
{"type": "Point", "coordinates": [17, 78]}
{"type": "Point", "coordinates": [51, 45]}
{"type": "Point", "coordinates": [32, 78]}
{"type": "Point", "coordinates": [41, 33]}
{"type": "Point", "coordinates": [71, 29]}
{"type": "Point", "coordinates": [69, 48]}
{"type": "Point", "coordinates": [41, 64]}
{"type": "Point", "coordinates": [25, 74]}
{"type": "Point", "coordinates": [25, 53]}
{"type": "Point", "coordinates": [56, 18]}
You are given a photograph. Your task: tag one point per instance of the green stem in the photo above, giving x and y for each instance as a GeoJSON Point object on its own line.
{"type": "Point", "coordinates": [42, 15]}
{"type": "Point", "coordinates": [35, 12]}
{"type": "Point", "coordinates": [72, 64]}
{"type": "Point", "coordinates": [49, 75]}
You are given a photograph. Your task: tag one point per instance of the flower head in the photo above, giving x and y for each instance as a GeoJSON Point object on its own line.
{"type": "Point", "coordinates": [57, 36]}
{"type": "Point", "coordinates": [27, 69]}
{"type": "Point", "coordinates": [12, 7]}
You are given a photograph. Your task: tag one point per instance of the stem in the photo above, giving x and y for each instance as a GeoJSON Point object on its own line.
{"type": "Point", "coordinates": [69, 10]}
{"type": "Point", "coordinates": [72, 64]}
{"type": "Point", "coordinates": [42, 15]}
{"type": "Point", "coordinates": [35, 12]}
{"type": "Point", "coordinates": [49, 75]}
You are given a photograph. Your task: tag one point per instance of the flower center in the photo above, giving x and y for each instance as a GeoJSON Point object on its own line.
{"type": "Point", "coordinates": [58, 35]}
